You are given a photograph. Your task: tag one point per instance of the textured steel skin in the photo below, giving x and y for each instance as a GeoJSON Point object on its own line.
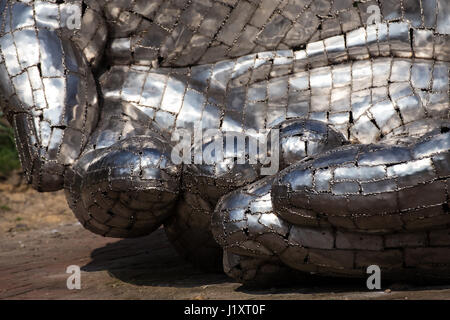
{"type": "Point", "coordinates": [363, 113]}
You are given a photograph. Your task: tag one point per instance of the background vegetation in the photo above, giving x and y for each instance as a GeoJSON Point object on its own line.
{"type": "Point", "coordinates": [9, 159]}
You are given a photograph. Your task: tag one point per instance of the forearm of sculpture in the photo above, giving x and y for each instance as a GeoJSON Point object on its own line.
{"type": "Point", "coordinates": [49, 93]}
{"type": "Point", "coordinates": [370, 188]}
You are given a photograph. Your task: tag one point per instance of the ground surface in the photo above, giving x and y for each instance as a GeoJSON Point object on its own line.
{"type": "Point", "coordinates": [40, 238]}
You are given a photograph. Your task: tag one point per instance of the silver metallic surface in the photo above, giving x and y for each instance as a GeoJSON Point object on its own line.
{"type": "Point", "coordinates": [362, 109]}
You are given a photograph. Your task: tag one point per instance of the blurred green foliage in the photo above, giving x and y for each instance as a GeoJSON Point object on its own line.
{"type": "Point", "coordinates": [9, 159]}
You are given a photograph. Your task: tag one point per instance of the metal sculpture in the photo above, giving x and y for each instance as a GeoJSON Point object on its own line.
{"type": "Point", "coordinates": [358, 91]}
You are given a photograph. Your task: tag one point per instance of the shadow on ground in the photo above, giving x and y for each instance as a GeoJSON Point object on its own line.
{"type": "Point", "coordinates": [151, 261]}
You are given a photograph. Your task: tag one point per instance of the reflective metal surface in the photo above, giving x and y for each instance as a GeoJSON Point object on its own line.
{"type": "Point", "coordinates": [96, 91]}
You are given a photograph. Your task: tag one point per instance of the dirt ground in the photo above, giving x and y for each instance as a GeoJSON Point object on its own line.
{"type": "Point", "coordinates": [40, 238]}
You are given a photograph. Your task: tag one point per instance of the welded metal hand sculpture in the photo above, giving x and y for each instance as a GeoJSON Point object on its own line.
{"type": "Point", "coordinates": [97, 90]}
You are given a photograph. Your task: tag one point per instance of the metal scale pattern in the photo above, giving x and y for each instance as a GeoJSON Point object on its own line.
{"type": "Point", "coordinates": [362, 109]}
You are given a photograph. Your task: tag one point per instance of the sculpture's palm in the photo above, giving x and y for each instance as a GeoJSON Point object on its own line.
{"type": "Point", "coordinates": [363, 112]}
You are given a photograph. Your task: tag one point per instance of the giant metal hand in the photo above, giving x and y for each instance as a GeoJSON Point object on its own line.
{"type": "Point", "coordinates": [96, 92]}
